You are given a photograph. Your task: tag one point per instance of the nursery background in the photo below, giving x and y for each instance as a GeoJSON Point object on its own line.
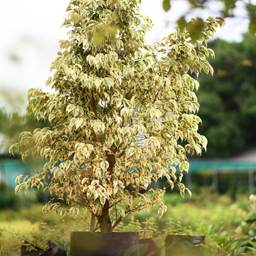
{"type": "Point", "coordinates": [221, 180]}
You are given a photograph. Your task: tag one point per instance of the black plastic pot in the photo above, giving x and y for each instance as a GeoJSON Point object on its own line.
{"type": "Point", "coordinates": [176, 245]}
{"type": "Point", "coordinates": [102, 244]}
{"type": "Point", "coordinates": [152, 247]}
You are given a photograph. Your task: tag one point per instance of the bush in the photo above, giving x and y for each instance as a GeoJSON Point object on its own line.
{"type": "Point", "coordinates": [7, 197]}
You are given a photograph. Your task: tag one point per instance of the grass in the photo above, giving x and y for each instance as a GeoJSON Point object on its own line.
{"type": "Point", "coordinates": [204, 214]}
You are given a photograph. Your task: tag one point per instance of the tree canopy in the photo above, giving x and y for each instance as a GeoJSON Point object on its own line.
{"type": "Point", "coordinates": [119, 111]}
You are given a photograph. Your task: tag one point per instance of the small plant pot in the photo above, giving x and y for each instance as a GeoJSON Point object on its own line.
{"type": "Point", "coordinates": [176, 245]}
{"type": "Point", "coordinates": [102, 244]}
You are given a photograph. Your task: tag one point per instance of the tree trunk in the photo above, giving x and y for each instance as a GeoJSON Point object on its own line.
{"type": "Point", "coordinates": [92, 223]}
{"type": "Point", "coordinates": [104, 219]}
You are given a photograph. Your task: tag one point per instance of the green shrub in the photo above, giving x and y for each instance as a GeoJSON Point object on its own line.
{"type": "Point", "coordinates": [10, 200]}
{"type": "Point", "coordinates": [11, 245]}
{"type": "Point", "coordinates": [7, 197]}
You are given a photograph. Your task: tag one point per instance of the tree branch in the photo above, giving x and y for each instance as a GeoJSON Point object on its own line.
{"type": "Point", "coordinates": [94, 105]}
{"type": "Point", "coordinates": [155, 97]}
{"type": "Point", "coordinates": [169, 70]}
{"type": "Point", "coordinates": [95, 113]}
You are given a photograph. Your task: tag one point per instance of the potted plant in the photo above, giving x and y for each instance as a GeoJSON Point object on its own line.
{"type": "Point", "coordinates": [119, 110]}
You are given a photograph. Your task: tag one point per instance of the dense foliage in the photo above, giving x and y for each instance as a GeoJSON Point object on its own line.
{"type": "Point", "coordinates": [119, 110]}
{"type": "Point", "coordinates": [227, 102]}
{"type": "Point", "coordinates": [226, 8]}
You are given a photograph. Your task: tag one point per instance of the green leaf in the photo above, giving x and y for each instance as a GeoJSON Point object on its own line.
{"type": "Point", "coordinates": [229, 4]}
{"type": "Point", "coordinates": [90, 147]}
{"type": "Point", "coordinates": [160, 212]}
{"type": "Point", "coordinates": [76, 111]}
{"type": "Point", "coordinates": [182, 23]}
{"type": "Point", "coordinates": [72, 122]}
{"type": "Point", "coordinates": [51, 117]}
{"type": "Point", "coordinates": [252, 28]}
{"type": "Point", "coordinates": [251, 9]}
{"type": "Point", "coordinates": [189, 192]}
{"type": "Point", "coordinates": [211, 52]}
{"type": "Point", "coordinates": [134, 139]}
{"type": "Point", "coordinates": [195, 29]}
{"type": "Point", "coordinates": [70, 107]}
{"type": "Point", "coordinates": [129, 151]}
{"type": "Point", "coordinates": [49, 81]}
{"type": "Point", "coordinates": [171, 184]}
{"type": "Point", "coordinates": [95, 127]}
{"type": "Point", "coordinates": [204, 142]}
{"type": "Point", "coordinates": [104, 165]}
{"type": "Point", "coordinates": [102, 200]}
{"type": "Point", "coordinates": [124, 112]}
{"type": "Point", "coordinates": [78, 122]}
{"type": "Point", "coordinates": [97, 83]}
{"type": "Point", "coordinates": [102, 126]}
{"type": "Point", "coordinates": [136, 250]}
{"type": "Point", "coordinates": [110, 141]}
{"type": "Point", "coordinates": [12, 148]}
{"type": "Point", "coordinates": [166, 5]}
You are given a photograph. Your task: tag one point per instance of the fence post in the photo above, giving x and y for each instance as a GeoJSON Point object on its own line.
{"type": "Point", "coordinates": [215, 180]}
{"type": "Point", "coordinates": [251, 181]}
{"type": "Point", "coordinates": [188, 179]}
{"type": "Point", "coordinates": [235, 185]}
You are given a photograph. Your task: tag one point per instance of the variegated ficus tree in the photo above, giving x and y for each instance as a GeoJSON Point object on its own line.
{"type": "Point", "coordinates": [119, 111]}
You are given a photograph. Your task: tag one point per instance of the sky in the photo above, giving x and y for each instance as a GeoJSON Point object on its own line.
{"type": "Point", "coordinates": [30, 33]}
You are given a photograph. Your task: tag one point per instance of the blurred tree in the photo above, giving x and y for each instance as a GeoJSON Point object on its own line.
{"type": "Point", "coordinates": [227, 8]}
{"type": "Point", "coordinates": [3, 120]}
{"type": "Point", "coordinates": [12, 124]}
{"type": "Point", "coordinates": [228, 105]}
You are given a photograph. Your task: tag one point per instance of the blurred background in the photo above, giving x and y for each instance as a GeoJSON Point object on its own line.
{"type": "Point", "coordinates": [30, 32]}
